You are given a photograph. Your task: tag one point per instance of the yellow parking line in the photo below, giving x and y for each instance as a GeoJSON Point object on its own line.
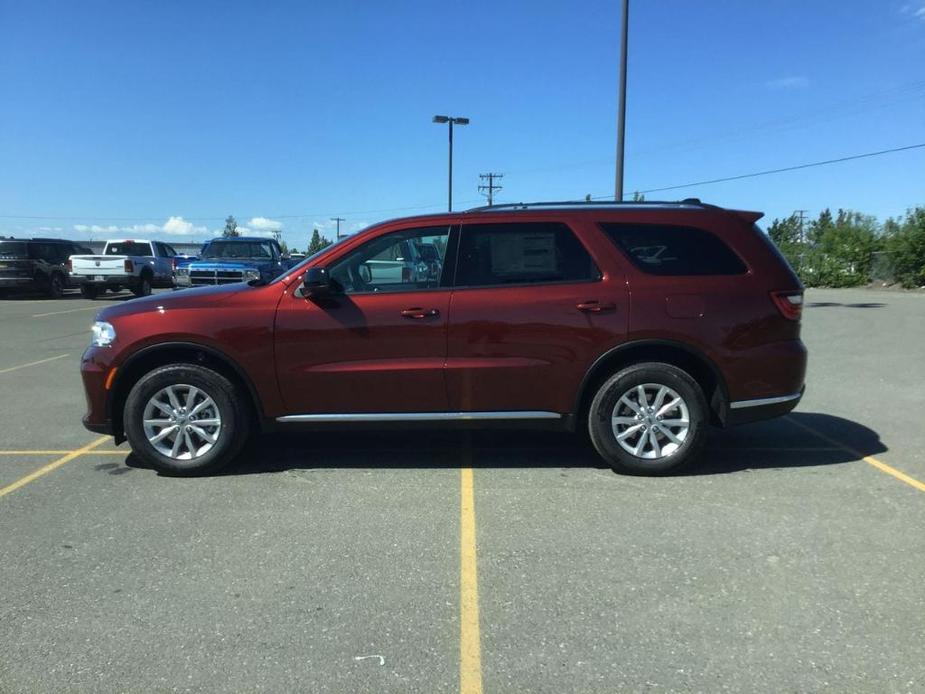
{"type": "Point", "coordinates": [33, 363]}
{"type": "Point", "coordinates": [23, 481]}
{"type": "Point", "coordinates": [70, 310]}
{"type": "Point", "coordinates": [59, 453]}
{"type": "Point", "coordinates": [869, 459]}
{"type": "Point", "coordinates": [470, 656]}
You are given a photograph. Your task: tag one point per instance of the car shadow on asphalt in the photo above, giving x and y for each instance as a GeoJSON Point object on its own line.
{"type": "Point", "coordinates": [69, 295]}
{"type": "Point", "coordinates": [795, 441]}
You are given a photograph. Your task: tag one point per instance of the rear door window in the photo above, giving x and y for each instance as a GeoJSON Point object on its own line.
{"type": "Point", "coordinates": [522, 253]}
{"type": "Point", "coordinates": [13, 249]}
{"type": "Point", "coordinates": [668, 250]}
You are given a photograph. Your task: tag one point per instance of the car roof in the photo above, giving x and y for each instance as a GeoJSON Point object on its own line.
{"type": "Point", "coordinates": [240, 238]}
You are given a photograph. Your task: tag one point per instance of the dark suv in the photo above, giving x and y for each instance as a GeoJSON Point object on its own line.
{"type": "Point", "coordinates": [37, 264]}
{"type": "Point", "coordinates": [640, 323]}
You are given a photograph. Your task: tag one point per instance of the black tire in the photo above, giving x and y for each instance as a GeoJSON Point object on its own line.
{"type": "Point", "coordinates": [115, 288]}
{"type": "Point", "coordinates": [55, 285]}
{"type": "Point", "coordinates": [604, 407]}
{"type": "Point", "coordinates": [230, 404]}
{"type": "Point", "coordinates": [89, 291]}
{"type": "Point", "coordinates": [143, 288]}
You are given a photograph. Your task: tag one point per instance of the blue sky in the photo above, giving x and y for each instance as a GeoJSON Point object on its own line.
{"type": "Point", "coordinates": [161, 118]}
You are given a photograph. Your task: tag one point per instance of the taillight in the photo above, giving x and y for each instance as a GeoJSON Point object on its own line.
{"type": "Point", "coordinates": [176, 262]}
{"type": "Point", "coordinates": [406, 274]}
{"type": "Point", "coordinates": [70, 265]}
{"type": "Point", "coordinates": [790, 304]}
{"type": "Point", "coordinates": [129, 267]}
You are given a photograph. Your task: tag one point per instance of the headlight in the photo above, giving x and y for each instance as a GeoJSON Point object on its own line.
{"type": "Point", "coordinates": [183, 276]}
{"type": "Point", "coordinates": [103, 334]}
{"type": "Point", "coordinates": [251, 275]}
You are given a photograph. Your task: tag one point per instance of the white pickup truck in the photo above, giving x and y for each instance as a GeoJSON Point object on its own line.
{"type": "Point", "coordinates": [138, 265]}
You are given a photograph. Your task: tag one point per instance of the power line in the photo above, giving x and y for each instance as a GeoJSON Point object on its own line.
{"type": "Point", "coordinates": [491, 187]}
{"type": "Point", "coordinates": [775, 171]}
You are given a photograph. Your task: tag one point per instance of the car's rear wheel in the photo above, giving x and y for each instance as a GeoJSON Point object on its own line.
{"type": "Point", "coordinates": [115, 288]}
{"type": "Point", "coordinates": [88, 291]}
{"type": "Point", "coordinates": [143, 288]}
{"type": "Point", "coordinates": [55, 285]}
{"type": "Point", "coordinates": [649, 419]}
{"type": "Point", "coordinates": [185, 419]}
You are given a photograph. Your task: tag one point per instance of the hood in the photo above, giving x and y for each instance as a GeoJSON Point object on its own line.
{"type": "Point", "coordinates": [197, 297]}
{"type": "Point", "coordinates": [221, 264]}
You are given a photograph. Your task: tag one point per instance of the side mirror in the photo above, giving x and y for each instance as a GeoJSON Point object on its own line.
{"type": "Point", "coordinates": [317, 282]}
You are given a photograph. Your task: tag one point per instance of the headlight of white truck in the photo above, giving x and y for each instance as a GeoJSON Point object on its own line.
{"type": "Point", "coordinates": [251, 275]}
{"type": "Point", "coordinates": [183, 277]}
{"type": "Point", "coordinates": [103, 334]}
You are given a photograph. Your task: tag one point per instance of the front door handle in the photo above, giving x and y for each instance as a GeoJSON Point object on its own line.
{"type": "Point", "coordinates": [595, 306]}
{"type": "Point", "coordinates": [419, 313]}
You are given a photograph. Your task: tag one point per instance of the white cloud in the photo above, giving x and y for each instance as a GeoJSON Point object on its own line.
{"type": "Point", "coordinates": [174, 226]}
{"type": "Point", "coordinates": [916, 10]}
{"type": "Point", "coordinates": [791, 82]}
{"type": "Point", "coordinates": [177, 226]}
{"type": "Point", "coordinates": [264, 224]}
{"type": "Point", "coordinates": [47, 229]}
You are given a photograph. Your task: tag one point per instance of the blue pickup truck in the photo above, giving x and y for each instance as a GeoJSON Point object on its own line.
{"type": "Point", "coordinates": [234, 259]}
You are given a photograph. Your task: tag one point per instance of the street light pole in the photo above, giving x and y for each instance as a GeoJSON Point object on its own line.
{"type": "Point", "coordinates": [451, 120]}
{"type": "Point", "coordinates": [338, 220]}
{"type": "Point", "coordinates": [621, 109]}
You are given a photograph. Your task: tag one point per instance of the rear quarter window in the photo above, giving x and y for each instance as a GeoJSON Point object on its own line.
{"type": "Point", "coordinates": [669, 250]}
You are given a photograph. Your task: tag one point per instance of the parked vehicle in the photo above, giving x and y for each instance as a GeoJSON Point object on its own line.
{"type": "Point", "coordinates": [37, 265]}
{"type": "Point", "coordinates": [234, 259]}
{"type": "Point", "coordinates": [138, 265]}
{"type": "Point", "coordinates": [640, 323]}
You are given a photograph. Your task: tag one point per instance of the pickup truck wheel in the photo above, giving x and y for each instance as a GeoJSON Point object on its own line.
{"type": "Point", "coordinates": [115, 288]}
{"type": "Point", "coordinates": [185, 419]}
{"type": "Point", "coordinates": [649, 419]}
{"type": "Point", "coordinates": [143, 288]}
{"type": "Point", "coordinates": [55, 285]}
{"type": "Point", "coordinates": [88, 291]}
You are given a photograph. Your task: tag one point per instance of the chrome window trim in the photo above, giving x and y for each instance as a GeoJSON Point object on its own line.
{"type": "Point", "coordinates": [416, 416]}
{"type": "Point", "coordinates": [739, 404]}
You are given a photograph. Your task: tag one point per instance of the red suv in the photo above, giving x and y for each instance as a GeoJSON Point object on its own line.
{"type": "Point", "coordinates": [641, 322]}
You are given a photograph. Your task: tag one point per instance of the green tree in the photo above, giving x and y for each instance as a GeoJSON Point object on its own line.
{"type": "Point", "coordinates": [231, 227]}
{"type": "Point", "coordinates": [283, 247]}
{"type": "Point", "coordinates": [840, 252]}
{"type": "Point", "coordinates": [317, 243]}
{"type": "Point", "coordinates": [905, 243]}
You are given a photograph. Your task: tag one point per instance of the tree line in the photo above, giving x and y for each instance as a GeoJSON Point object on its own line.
{"type": "Point", "coordinates": [849, 248]}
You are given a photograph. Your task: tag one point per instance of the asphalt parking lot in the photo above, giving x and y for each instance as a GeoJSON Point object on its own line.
{"type": "Point", "coordinates": [791, 559]}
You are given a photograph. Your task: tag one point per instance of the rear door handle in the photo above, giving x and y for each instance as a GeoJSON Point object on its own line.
{"type": "Point", "coordinates": [419, 313]}
{"type": "Point", "coordinates": [595, 306]}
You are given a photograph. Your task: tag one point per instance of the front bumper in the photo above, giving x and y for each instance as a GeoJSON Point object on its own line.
{"type": "Point", "coordinates": [94, 368]}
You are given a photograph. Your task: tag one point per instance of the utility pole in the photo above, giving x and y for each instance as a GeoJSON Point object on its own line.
{"type": "Point", "coordinates": [491, 187]}
{"type": "Point", "coordinates": [801, 214]}
{"type": "Point", "coordinates": [621, 109]}
{"type": "Point", "coordinates": [338, 220]}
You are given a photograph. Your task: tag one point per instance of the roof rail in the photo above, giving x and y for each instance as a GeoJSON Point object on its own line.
{"type": "Point", "coordinates": [590, 203]}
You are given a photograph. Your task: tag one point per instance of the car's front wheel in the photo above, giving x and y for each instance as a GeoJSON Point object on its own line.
{"type": "Point", "coordinates": [185, 419]}
{"type": "Point", "coordinates": [649, 419]}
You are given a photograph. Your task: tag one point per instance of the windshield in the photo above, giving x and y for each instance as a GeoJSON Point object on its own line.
{"type": "Point", "coordinates": [13, 249]}
{"type": "Point", "coordinates": [238, 249]}
{"type": "Point", "coordinates": [133, 248]}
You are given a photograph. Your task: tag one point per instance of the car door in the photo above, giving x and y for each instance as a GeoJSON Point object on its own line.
{"type": "Point", "coordinates": [376, 346]}
{"type": "Point", "coordinates": [530, 313]}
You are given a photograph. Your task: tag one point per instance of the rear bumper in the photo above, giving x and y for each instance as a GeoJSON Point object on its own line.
{"type": "Point", "coordinates": [107, 279]}
{"type": "Point", "coordinates": [744, 411]}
